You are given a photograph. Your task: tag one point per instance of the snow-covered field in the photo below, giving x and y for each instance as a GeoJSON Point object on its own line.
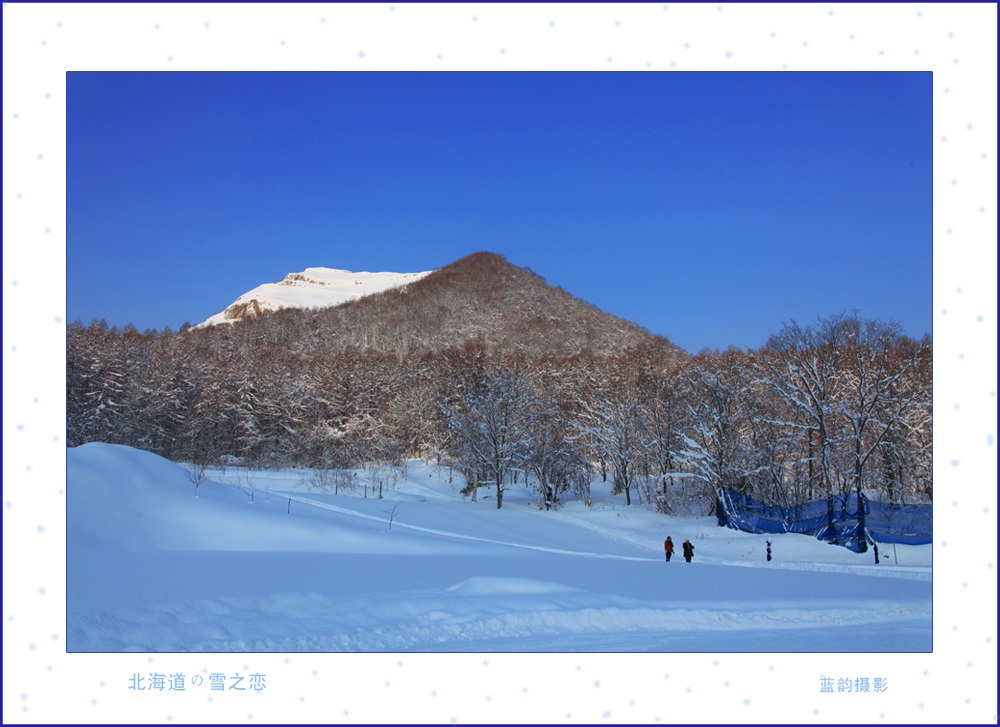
{"type": "Point", "coordinates": [263, 561]}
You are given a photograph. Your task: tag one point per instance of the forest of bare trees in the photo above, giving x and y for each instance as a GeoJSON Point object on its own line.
{"type": "Point", "coordinates": [840, 405]}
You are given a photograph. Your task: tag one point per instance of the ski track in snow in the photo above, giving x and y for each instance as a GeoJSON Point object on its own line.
{"type": "Point", "coordinates": [473, 538]}
{"type": "Point", "coordinates": [919, 574]}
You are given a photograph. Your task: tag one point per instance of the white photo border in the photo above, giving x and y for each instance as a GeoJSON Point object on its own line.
{"type": "Point", "coordinates": [956, 42]}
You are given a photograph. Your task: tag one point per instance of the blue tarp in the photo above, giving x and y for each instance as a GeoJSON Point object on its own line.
{"type": "Point", "coordinates": [836, 519]}
{"type": "Point", "coordinates": [903, 524]}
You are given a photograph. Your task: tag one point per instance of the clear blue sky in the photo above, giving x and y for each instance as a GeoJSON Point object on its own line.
{"type": "Point", "coordinates": [706, 207]}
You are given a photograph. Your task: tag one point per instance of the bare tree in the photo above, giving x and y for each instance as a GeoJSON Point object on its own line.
{"type": "Point", "coordinates": [615, 431]}
{"type": "Point", "coordinates": [195, 472]}
{"type": "Point", "coordinates": [492, 424]}
{"type": "Point", "coordinates": [802, 367]}
{"type": "Point", "coordinates": [716, 448]}
{"type": "Point", "coordinates": [876, 399]}
{"type": "Point", "coordinates": [555, 459]}
{"type": "Point", "coordinates": [660, 417]}
{"type": "Point", "coordinates": [391, 512]}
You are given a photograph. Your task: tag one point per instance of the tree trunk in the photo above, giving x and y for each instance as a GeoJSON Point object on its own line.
{"type": "Point", "coordinates": [858, 469]}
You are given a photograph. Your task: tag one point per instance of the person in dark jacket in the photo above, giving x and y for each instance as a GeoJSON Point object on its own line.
{"type": "Point", "coordinates": [688, 550]}
{"type": "Point", "coordinates": [668, 547]}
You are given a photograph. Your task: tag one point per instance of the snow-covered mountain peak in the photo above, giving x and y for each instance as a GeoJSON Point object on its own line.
{"type": "Point", "coordinates": [312, 288]}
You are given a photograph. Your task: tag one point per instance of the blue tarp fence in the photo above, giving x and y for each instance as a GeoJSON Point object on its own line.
{"type": "Point", "coordinates": [841, 519]}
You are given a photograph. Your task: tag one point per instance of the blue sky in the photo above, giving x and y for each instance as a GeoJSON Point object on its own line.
{"type": "Point", "coordinates": [706, 207]}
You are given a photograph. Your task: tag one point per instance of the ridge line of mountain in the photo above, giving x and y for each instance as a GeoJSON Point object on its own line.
{"type": "Point", "coordinates": [480, 297]}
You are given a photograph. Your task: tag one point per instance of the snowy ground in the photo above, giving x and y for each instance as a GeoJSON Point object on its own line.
{"type": "Point", "coordinates": [153, 567]}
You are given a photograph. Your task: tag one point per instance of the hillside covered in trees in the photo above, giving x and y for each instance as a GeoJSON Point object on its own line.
{"type": "Point", "coordinates": [485, 366]}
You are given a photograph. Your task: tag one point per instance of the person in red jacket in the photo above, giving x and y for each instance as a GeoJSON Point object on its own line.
{"type": "Point", "coordinates": [668, 546]}
{"type": "Point", "coordinates": [688, 550]}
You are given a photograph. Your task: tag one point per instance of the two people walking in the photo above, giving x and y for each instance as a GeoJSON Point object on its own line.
{"type": "Point", "coordinates": [688, 548]}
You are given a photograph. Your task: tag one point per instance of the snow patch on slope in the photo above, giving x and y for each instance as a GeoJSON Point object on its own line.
{"type": "Point", "coordinates": [312, 288]}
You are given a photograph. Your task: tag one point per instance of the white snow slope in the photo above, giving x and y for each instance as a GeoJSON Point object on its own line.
{"type": "Point", "coordinates": [260, 562]}
{"type": "Point", "coordinates": [312, 288]}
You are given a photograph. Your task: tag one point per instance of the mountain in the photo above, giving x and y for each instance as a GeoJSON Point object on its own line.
{"type": "Point", "coordinates": [481, 298]}
{"type": "Point", "coordinates": [312, 288]}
